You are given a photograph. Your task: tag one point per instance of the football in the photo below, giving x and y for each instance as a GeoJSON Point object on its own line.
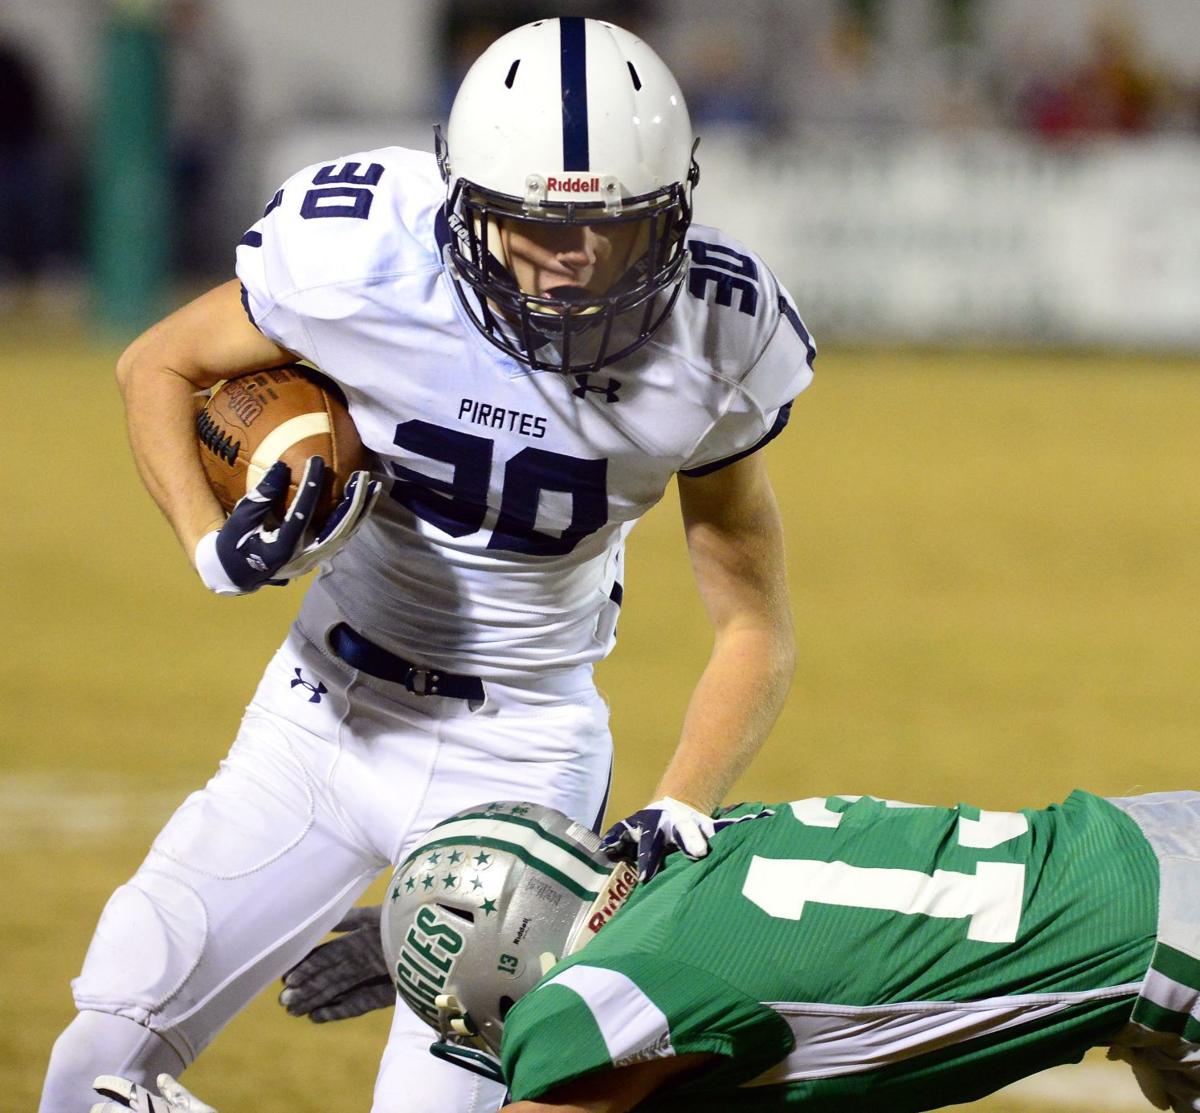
{"type": "Point", "coordinates": [287, 413]}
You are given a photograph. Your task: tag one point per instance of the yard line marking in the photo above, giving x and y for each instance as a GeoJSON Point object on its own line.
{"type": "Point", "coordinates": [41, 808]}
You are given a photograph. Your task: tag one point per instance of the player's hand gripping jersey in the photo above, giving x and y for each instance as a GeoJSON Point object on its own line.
{"type": "Point", "coordinates": [496, 548]}
{"type": "Point", "coordinates": [850, 947]}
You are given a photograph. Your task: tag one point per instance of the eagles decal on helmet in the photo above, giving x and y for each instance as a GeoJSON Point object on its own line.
{"type": "Point", "coordinates": [477, 914]}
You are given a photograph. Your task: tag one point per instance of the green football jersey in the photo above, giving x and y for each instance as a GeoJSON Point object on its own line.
{"type": "Point", "coordinates": [851, 945]}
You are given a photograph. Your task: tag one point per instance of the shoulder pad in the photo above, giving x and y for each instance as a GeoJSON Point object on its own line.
{"type": "Point", "coordinates": [343, 221]}
{"type": "Point", "coordinates": [731, 307]}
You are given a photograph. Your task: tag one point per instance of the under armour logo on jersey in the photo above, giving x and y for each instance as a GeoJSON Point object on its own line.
{"type": "Point", "coordinates": [318, 689]}
{"type": "Point", "coordinates": [585, 388]}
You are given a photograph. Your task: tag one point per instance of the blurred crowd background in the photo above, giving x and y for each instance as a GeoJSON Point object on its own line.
{"type": "Point", "coordinates": [923, 169]}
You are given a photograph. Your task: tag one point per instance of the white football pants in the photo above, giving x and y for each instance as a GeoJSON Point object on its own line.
{"type": "Point", "coordinates": [333, 777]}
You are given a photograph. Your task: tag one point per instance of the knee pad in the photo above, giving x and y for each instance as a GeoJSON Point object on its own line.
{"type": "Point", "coordinates": [149, 941]}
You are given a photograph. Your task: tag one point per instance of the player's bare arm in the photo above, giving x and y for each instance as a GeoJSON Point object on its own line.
{"type": "Point", "coordinates": [735, 541]}
{"type": "Point", "coordinates": [612, 1091]}
{"type": "Point", "coordinates": [207, 340]}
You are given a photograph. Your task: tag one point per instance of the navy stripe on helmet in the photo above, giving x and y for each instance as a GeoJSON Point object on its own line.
{"type": "Point", "coordinates": [573, 51]}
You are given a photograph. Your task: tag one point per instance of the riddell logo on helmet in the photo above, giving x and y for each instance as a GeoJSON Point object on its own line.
{"type": "Point", "coordinates": [573, 185]}
{"type": "Point", "coordinates": [615, 894]}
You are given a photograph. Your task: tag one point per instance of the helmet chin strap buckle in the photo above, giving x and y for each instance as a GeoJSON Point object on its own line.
{"type": "Point", "coordinates": [610, 193]}
{"type": "Point", "coordinates": [535, 192]}
{"type": "Point", "coordinates": [453, 1019]}
{"type": "Point", "coordinates": [693, 177]}
{"type": "Point", "coordinates": [441, 152]}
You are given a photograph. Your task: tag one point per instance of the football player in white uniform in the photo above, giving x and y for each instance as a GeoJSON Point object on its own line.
{"type": "Point", "coordinates": [533, 340]}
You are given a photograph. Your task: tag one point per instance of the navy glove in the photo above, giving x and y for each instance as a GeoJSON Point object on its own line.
{"type": "Point", "coordinates": [358, 498]}
{"type": "Point", "coordinates": [342, 978]}
{"type": "Point", "coordinates": [649, 835]}
{"type": "Point", "coordinates": [246, 552]}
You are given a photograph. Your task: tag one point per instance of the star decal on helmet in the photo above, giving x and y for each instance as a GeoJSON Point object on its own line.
{"type": "Point", "coordinates": [482, 859]}
{"type": "Point", "coordinates": [476, 883]}
{"type": "Point", "coordinates": [450, 881]}
{"type": "Point", "coordinates": [434, 858]}
{"type": "Point", "coordinates": [455, 857]}
{"type": "Point", "coordinates": [427, 881]}
{"type": "Point", "coordinates": [520, 809]}
{"type": "Point", "coordinates": [488, 906]}
{"type": "Point", "coordinates": [410, 884]}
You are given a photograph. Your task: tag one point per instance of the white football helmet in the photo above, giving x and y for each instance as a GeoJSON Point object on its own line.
{"type": "Point", "coordinates": [483, 907]}
{"type": "Point", "coordinates": [568, 122]}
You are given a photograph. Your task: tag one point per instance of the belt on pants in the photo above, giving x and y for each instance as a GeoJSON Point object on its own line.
{"type": "Point", "coordinates": [362, 654]}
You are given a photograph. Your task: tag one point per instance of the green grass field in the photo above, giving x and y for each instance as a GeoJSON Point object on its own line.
{"type": "Point", "coordinates": [995, 581]}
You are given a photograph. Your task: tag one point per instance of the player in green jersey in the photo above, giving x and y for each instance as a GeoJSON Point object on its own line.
{"type": "Point", "coordinates": [831, 953]}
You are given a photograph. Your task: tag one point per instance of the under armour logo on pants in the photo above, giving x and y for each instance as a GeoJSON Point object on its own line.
{"type": "Point", "coordinates": [318, 689]}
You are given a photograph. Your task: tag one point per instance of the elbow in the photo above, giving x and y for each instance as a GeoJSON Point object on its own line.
{"type": "Point", "coordinates": [126, 366]}
{"type": "Point", "coordinates": [785, 653]}
{"type": "Point", "coordinates": [147, 352]}
{"type": "Point", "coordinates": [779, 640]}
{"type": "Point", "coordinates": [769, 642]}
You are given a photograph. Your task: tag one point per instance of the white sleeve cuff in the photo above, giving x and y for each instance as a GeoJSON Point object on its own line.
{"type": "Point", "coordinates": [212, 571]}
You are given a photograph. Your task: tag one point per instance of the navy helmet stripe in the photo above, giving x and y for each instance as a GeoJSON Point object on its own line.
{"type": "Point", "coordinates": [573, 49]}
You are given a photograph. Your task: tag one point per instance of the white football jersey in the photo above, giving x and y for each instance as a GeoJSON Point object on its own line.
{"type": "Point", "coordinates": [496, 546]}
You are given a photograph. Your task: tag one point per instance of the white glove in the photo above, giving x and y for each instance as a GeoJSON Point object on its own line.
{"type": "Point", "coordinates": [171, 1097]}
{"type": "Point", "coordinates": [244, 554]}
{"type": "Point", "coordinates": [358, 500]}
{"type": "Point", "coordinates": [668, 824]}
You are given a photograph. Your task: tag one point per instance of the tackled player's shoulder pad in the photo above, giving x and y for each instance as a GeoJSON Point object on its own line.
{"type": "Point", "coordinates": [332, 230]}
{"type": "Point", "coordinates": [735, 324]}
{"type": "Point", "coordinates": [620, 1006]}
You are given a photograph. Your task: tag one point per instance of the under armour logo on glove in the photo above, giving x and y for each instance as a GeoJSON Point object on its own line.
{"type": "Point", "coordinates": [247, 552]}
{"type": "Point", "coordinates": [318, 689]}
{"type": "Point", "coordinates": [668, 824]}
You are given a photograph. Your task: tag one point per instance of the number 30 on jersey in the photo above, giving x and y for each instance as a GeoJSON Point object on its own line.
{"type": "Point", "coordinates": [458, 505]}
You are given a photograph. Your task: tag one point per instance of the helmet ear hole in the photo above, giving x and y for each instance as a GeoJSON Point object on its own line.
{"type": "Point", "coordinates": [461, 913]}
{"type": "Point", "coordinates": [462, 949]}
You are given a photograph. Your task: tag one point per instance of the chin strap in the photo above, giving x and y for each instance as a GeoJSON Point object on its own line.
{"type": "Point", "coordinates": [457, 1031]}
{"type": "Point", "coordinates": [477, 1062]}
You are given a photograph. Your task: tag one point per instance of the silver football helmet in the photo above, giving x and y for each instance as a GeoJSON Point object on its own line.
{"type": "Point", "coordinates": [563, 125]}
{"type": "Point", "coordinates": [492, 898]}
